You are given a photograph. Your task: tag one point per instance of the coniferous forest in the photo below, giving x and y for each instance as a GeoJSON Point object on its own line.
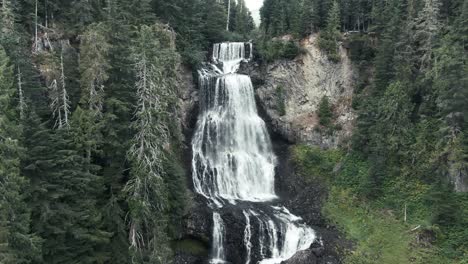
{"type": "Point", "coordinates": [92, 150]}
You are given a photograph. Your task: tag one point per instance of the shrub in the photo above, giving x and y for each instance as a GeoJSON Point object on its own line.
{"type": "Point", "coordinates": [325, 112]}
{"type": "Point", "coordinates": [330, 46]}
{"type": "Point", "coordinates": [280, 101]}
{"type": "Point", "coordinates": [315, 163]}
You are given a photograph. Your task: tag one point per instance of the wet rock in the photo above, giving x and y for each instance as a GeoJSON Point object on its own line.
{"type": "Point", "coordinates": [234, 222]}
{"type": "Point", "coordinates": [188, 101]}
{"type": "Point", "coordinates": [198, 222]}
{"type": "Point", "coordinates": [302, 257]}
{"type": "Point", "coordinates": [193, 245]}
{"type": "Point", "coordinates": [317, 248]}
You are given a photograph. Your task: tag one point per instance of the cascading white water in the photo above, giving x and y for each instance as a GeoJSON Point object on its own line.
{"type": "Point", "coordinates": [232, 152]}
{"type": "Point", "coordinates": [233, 161]}
{"type": "Point", "coordinates": [218, 239]}
{"type": "Point", "coordinates": [247, 237]}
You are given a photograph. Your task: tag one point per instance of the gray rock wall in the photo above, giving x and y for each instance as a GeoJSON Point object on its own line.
{"type": "Point", "coordinates": [303, 82]}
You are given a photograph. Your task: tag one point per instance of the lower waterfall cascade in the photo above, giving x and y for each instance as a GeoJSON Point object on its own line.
{"type": "Point", "coordinates": [233, 164]}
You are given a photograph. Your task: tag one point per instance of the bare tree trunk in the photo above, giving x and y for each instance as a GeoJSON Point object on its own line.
{"type": "Point", "coordinates": [405, 212]}
{"type": "Point", "coordinates": [46, 14]}
{"type": "Point", "coordinates": [22, 104]}
{"type": "Point", "coordinates": [228, 15]}
{"type": "Point", "coordinates": [65, 102]}
{"type": "Point", "coordinates": [35, 30]}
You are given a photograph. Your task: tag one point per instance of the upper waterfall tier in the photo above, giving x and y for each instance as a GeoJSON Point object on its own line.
{"type": "Point", "coordinates": [231, 54]}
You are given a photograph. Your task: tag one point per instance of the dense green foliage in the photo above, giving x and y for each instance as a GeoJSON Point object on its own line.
{"type": "Point", "coordinates": [402, 233]}
{"type": "Point", "coordinates": [272, 50]}
{"type": "Point", "coordinates": [330, 36]}
{"type": "Point", "coordinates": [325, 112]}
{"type": "Point", "coordinates": [90, 152]}
{"type": "Point", "coordinates": [17, 243]}
{"type": "Point", "coordinates": [409, 147]}
{"type": "Point", "coordinates": [302, 17]}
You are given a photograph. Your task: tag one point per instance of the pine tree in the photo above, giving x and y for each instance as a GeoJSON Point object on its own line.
{"type": "Point", "coordinates": [214, 21]}
{"type": "Point", "coordinates": [333, 21]}
{"type": "Point", "coordinates": [116, 132]}
{"type": "Point", "coordinates": [330, 36]}
{"type": "Point", "coordinates": [65, 193]}
{"type": "Point", "coordinates": [17, 243]}
{"type": "Point", "coordinates": [427, 27]}
{"type": "Point", "coordinates": [94, 66]}
{"type": "Point", "coordinates": [7, 18]}
{"type": "Point", "coordinates": [384, 62]}
{"type": "Point", "coordinates": [156, 63]}
{"type": "Point", "coordinates": [310, 17]}
{"type": "Point", "coordinates": [325, 112]}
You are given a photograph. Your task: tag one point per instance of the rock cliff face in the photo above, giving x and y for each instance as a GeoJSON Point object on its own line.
{"type": "Point", "coordinates": [289, 93]}
{"type": "Point", "coordinates": [188, 102]}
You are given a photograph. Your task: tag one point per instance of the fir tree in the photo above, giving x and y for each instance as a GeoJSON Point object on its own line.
{"type": "Point", "coordinates": [155, 66]}
{"type": "Point", "coordinates": [17, 243]}
{"type": "Point", "coordinates": [65, 194]}
{"type": "Point", "coordinates": [309, 17]}
{"type": "Point", "coordinates": [325, 112]}
{"type": "Point", "coordinates": [330, 36]}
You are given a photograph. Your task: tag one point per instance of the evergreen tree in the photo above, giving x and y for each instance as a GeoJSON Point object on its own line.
{"type": "Point", "coordinates": [65, 192]}
{"type": "Point", "coordinates": [310, 17]}
{"type": "Point", "coordinates": [116, 132]}
{"type": "Point", "coordinates": [243, 22]}
{"type": "Point", "coordinates": [94, 66]}
{"type": "Point", "coordinates": [427, 26]}
{"type": "Point", "coordinates": [384, 61]}
{"type": "Point", "coordinates": [330, 36]}
{"type": "Point", "coordinates": [156, 63]}
{"type": "Point", "coordinates": [17, 243]}
{"type": "Point", "coordinates": [325, 112]}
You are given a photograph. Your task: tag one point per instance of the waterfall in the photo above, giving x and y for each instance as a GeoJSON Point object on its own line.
{"type": "Point", "coordinates": [247, 237]}
{"type": "Point", "coordinates": [218, 239]}
{"type": "Point", "coordinates": [233, 163]}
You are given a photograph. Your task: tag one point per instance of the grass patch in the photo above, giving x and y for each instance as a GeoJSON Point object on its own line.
{"type": "Point", "coordinates": [376, 224]}
{"type": "Point", "coordinates": [314, 163]}
{"type": "Point", "coordinates": [380, 238]}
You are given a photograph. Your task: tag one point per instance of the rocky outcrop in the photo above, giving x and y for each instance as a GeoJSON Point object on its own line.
{"type": "Point", "coordinates": [198, 222]}
{"type": "Point", "coordinates": [193, 243]}
{"type": "Point", "coordinates": [188, 101]}
{"type": "Point", "coordinates": [289, 93]}
{"type": "Point", "coordinates": [458, 175]}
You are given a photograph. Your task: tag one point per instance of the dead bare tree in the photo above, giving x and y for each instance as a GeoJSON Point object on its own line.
{"type": "Point", "coordinates": [22, 104]}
